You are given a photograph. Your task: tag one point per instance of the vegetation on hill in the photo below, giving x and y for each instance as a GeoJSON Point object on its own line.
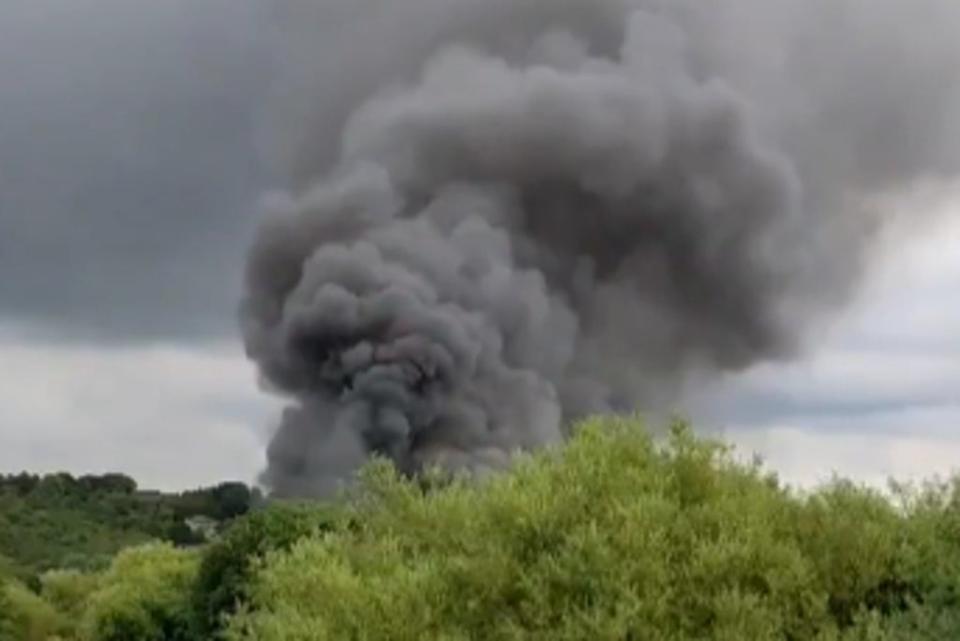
{"type": "Point", "coordinates": [58, 521]}
{"type": "Point", "coordinates": [612, 537]}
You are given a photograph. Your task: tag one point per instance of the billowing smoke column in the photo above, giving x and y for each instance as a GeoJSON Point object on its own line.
{"type": "Point", "coordinates": [507, 215]}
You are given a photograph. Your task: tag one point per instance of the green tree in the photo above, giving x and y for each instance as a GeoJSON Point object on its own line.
{"type": "Point", "coordinates": [6, 622]}
{"type": "Point", "coordinates": [24, 616]}
{"type": "Point", "coordinates": [228, 564]}
{"type": "Point", "coordinates": [59, 522]}
{"type": "Point", "coordinates": [143, 596]}
{"type": "Point", "coordinates": [612, 536]}
{"type": "Point", "coordinates": [232, 500]}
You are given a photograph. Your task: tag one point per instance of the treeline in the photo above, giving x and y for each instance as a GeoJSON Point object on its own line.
{"type": "Point", "coordinates": [223, 501]}
{"type": "Point", "coordinates": [614, 536]}
{"type": "Point", "coordinates": [61, 521]}
{"type": "Point", "coordinates": [25, 484]}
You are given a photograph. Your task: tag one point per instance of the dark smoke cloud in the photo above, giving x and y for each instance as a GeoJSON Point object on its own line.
{"type": "Point", "coordinates": [506, 215]}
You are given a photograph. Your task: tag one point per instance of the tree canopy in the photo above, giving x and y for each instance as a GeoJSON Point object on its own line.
{"type": "Point", "coordinates": [615, 535]}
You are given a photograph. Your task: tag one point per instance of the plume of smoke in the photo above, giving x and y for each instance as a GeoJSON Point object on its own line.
{"type": "Point", "coordinates": [505, 215]}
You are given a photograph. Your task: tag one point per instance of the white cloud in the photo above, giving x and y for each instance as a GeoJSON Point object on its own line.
{"type": "Point", "coordinates": [170, 416]}
{"type": "Point", "coordinates": [880, 397]}
{"type": "Point", "coordinates": [804, 456]}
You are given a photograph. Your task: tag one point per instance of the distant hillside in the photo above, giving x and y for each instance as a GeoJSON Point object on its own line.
{"type": "Point", "coordinates": [61, 521]}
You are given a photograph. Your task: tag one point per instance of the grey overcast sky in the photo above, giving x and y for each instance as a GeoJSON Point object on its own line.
{"type": "Point", "coordinates": [129, 183]}
{"type": "Point", "coordinates": [128, 172]}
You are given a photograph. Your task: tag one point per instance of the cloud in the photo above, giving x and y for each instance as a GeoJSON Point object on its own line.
{"type": "Point", "coordinates": [878, 397]}
{"type": "Point", "coordinates": [807, 454]}
{"type": "Point", "coordinates": [170, 416]}
{"type": "Point", "coordinates": [128, 168]}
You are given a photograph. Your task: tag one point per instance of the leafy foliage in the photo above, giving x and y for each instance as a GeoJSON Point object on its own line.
{"type": "Point", "coordinates": [144, 596]}
{"type": "Point", "coordinates": [24, 616]}
{"type": "Point", "coordinates": [6, 610]}
{"type": "Point", "coordinates": [229, 563]}
{"type": "Point", "coordinates": [69, 591]}
{"type": "Point", "coordinates": [58, 521]}
{"type": "Point", "coordinates": [613, 537]}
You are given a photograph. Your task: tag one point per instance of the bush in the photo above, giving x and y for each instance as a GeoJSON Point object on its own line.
{"type": "Point", "coordinates": [143, 596]}
{"type": "Point", "coordinates": [611, 537]}
{"type": "Point", "coordinates": [24, 616]}
{"type": "Point", "coordinates": [228, 564]}
{"type": "Point", "coordinates": [6, 619]}
{"type": "Point", "coordinates": [69, 591]}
